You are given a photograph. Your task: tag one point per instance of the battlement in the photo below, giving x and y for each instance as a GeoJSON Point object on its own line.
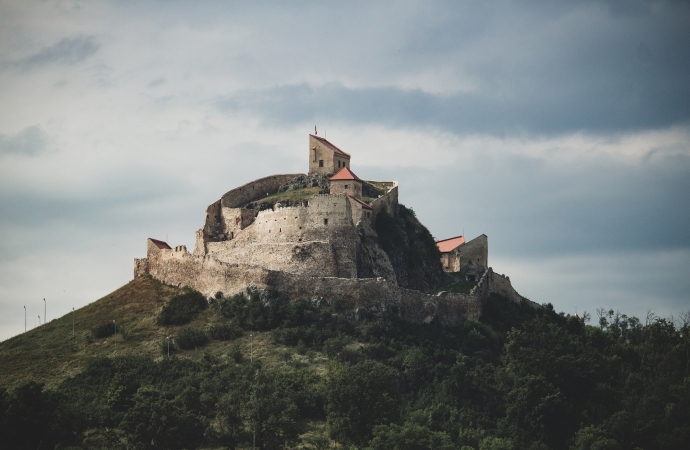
{"type": "Point", "coordinates": [323, 244]}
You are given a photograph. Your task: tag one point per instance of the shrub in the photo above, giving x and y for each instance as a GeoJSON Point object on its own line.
{"type": "Point", "coordinates": [190, 338]}
{"type": "Point", "coordinates": [182, 308]}
{"type": "Point", "coordinates": [236, 352]}
{"type": "Point", "coordinates": [334, 345]}
{"type": "Point", "coordinates": [103, 330]}
{"type": "Point", "coordinates": [224, 332]}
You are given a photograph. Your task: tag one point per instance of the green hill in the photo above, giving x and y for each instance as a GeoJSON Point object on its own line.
{"type": "Point", "coordinates": [313, 375]}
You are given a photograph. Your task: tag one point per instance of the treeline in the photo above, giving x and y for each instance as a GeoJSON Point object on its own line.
{"type": "Point", "coordinates": [522, 378]}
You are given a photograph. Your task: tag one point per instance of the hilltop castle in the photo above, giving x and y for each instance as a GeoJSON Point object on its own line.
{"type": "Point", "coordinates": [314, 234]}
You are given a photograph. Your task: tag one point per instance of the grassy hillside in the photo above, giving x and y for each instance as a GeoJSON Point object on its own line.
{"type": "Point", "coordinates": [323, 377]}
{"type": "Point", "coordinates": [49, 354]}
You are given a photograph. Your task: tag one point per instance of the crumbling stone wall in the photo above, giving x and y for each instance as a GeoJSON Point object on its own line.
{"type": "Point", "coordinates": [317, 238]}
{"type": "Point", "coordinates": [255, 190]}
{"type": "Point", "coordinates": [500, 284]}
{"type": "Point", "coordinates": [208, 275]}
{"type": "Point", "coordinates": [388, 201]}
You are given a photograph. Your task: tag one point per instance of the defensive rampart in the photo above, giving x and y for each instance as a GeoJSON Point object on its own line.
{"type": "Point", "coordinates": [209, 276]}
{"type": "Point", "coordinates": [500, 284]}
{"type": "Point", "coordinates": [388, 201]}
{"type": "Point", "coordinates": [254, 190]}
{"type": "Point", "coordinates": [317, 238]}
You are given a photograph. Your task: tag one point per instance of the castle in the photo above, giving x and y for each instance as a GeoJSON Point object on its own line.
{"type": "Point", "coordinates": [314, 235]}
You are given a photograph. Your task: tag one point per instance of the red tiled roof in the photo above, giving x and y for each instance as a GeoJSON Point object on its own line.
{"type": "Point", "coordinates": [364, 204]}
{"type": "Point", "coordinates": [450, 244]}
{"type": "Point", "coordinates": [344, 174]}
{"type": "Point", "coordinates": [160, 244]}
{"type": "Point", "coordinates": [331, 146]}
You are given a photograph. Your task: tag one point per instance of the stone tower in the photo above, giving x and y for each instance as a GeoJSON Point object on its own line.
{"type": "Point", "coordinates": [325, 157]}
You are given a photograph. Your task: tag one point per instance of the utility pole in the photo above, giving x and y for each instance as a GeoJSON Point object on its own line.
{"type": "Point", "coordinates": [39, 320]}
{"type": "Point", "coordinates": [45, 311]}
{"type": "Point", "coordinates": [24, 318]}
{"type": "Point", "coordinates": [72, 323]}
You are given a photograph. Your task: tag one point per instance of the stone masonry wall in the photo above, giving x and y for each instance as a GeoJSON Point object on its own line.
{"type": "Point", "coordinates": [387, 202]}
{"type": "Point", "coordinates": [317, 239]}
{"type": "Point", "coordinates": [476, 250]}
{"type": "Point", "coordinates": [254, 190]}
{"type": "Point", "coordinates": [318, 151]}
{"type": "Point", "coordinates": [500, 284]}
{"type": "Point", "coordinates": [349, 187]}
{"type": "Point", "coordinates": [209, 276]}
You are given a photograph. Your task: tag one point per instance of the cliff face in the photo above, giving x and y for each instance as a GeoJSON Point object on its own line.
{"type": "Point", "coordinates": [411, 249]}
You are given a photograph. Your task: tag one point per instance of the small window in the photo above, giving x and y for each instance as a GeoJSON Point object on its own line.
{"type": "Point", "coordinates": [325, 221]}
{"type": "Point", "coordinates": [346, 186]}
{"type": "Point", "coordinates": [321, 163]}
{"type": "Point", "coordinates": [338, 164]}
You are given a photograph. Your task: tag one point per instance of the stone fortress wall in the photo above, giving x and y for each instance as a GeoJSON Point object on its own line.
{"type": "Point", "coordinates": [254, 190]}
{"type": "Point", "coordinates": [317, 237]}
{"type": "Point", "coordinates": [208, 275]}
{"type": "Point", "coordinates": [311, 249]}
{"type": "Point", "coordinates": [500, 284]}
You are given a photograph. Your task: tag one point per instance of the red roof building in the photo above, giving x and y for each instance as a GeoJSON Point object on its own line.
{"type": "Point", "coordinates": [450, 244]}
{"type": "Point", "coordinates": [344, 174]}
{"type": "Point", "coordinates": [346, 182]}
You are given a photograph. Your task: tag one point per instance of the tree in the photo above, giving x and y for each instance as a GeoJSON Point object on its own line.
{"type": "Point", "coordinates": [158, 423]}
{"type": "Point", "coordinates": [409, 436]}
{"type": "Point", "coordinates": [360, 396]}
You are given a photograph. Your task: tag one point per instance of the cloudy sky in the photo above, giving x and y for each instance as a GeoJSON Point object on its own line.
{"type": "Point", "coordinates": [561, 129]}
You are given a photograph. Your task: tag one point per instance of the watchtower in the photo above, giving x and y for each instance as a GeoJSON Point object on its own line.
{"type": "Point", "coordinates": [325, 157]}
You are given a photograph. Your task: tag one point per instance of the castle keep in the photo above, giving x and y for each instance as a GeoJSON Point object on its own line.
{"type": "Point", "coordinates": [314, 235]}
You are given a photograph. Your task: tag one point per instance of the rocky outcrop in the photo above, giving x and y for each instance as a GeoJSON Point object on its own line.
{"type": "Point", "coordinates": [411, 249]}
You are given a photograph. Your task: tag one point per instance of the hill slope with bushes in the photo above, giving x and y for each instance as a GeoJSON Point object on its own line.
{"type": "Point", "coordinates": [313, 375]}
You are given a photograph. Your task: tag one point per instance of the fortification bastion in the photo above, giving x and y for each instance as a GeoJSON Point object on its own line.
{"type": "Point", "coordinates": [306, 236]}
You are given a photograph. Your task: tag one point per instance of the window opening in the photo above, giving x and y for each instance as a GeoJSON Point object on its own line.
{"type": "Point", "coordinates": [325, 221]}
{"type": "Point", "coordinates": [321, 163]}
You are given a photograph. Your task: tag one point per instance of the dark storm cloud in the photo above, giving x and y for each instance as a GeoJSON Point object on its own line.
{"type": "Point", "coordinates": [28, 142]}
{"type": "Point", "coordinates": [70, 50]}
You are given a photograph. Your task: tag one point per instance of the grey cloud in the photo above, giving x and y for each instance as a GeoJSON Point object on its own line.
{"type": "Point", "coordinates": [157, 82]}
{"type": "Point", "coordinates": [70, 50]}
{"type": "Point", "coordinates": [31, 141]}
{"type": "Point", "coordinates": [530, 207]}
{"type": "Point", "coordinates": [465, 113]}
{"type": "Point", "coordinates": [538, 67]}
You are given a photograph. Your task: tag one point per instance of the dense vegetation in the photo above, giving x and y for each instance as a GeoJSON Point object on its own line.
{"type": "Point", "coordinates": [182, 308]}
{"type": "Point", "coordinates": [521, 378]}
